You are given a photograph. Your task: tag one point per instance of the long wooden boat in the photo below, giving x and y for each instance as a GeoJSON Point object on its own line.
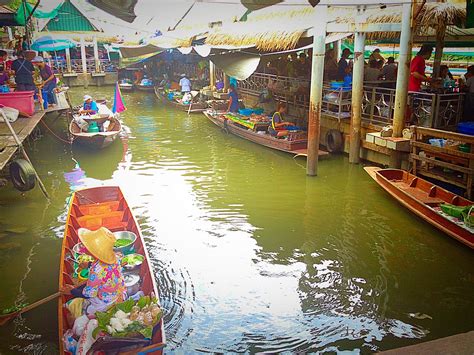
{"type": "Point", "coordinates": [149, 88]}
{"type": "Point", "coordinates": [424, 199]}
{"type": "Point", "coordinates": [93, 208]}
{"type": "Point", "coordinates": [124, 86]}
{"type": "Point", "coordinates": [97, 140]}
{"type": "Point", "coordinates": [296, 147]}
{"type": "Point", "coordinates": [196, 107]}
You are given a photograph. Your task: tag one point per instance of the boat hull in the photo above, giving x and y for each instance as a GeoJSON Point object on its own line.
{"type": "Point", "coordinates": [144, 88]}
{"type": "Point", "coordinates": [196, 107]}
{"type": "Point", "coordinates": [126, 87]}
{"type": "Point", "coordinates": [420, 196]}
{"type": "Point", "coordinates": [92, 208]}
{"type": "Point", "coordinates": [97, 140]}
{"type": "Point", "coordinates": [293, 147]}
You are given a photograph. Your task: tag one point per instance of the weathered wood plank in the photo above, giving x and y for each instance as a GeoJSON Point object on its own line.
{"type": "Point", "coordinates": [443, 164]}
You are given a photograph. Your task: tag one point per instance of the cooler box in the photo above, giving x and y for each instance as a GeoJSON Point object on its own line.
{"type": "Point", "coordinates": [23, 101]}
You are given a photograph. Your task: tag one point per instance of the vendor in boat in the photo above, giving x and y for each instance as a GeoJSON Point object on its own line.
{"type": "Point", "coordinates": [89, 107]}
{"type": "Point", "coordinates": [47, 75]}
{"type": "Point", "coordinates": [185, 84]}
{"type": "Point", "coordinates": [105, 284]}
{"type": "Point", "coordinates": [233, 100]}
{"type": "Point", "coordinates": [280, 127]}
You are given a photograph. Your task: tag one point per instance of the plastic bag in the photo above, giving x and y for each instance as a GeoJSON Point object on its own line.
{"type": "Point", "coordinates": [86, 340]}
{"type": "Point", "coordinates": [11, 114]}
{"type": "Point", "coordinates": [79, 325]}
{"type": "Point", "coordinates": [70, 344]}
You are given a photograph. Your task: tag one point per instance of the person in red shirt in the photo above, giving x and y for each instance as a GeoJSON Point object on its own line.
{"type": "Point", "coordinates": [417, 68]}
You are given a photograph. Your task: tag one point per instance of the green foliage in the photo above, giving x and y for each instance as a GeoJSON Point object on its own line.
{"type": "Point", "coordinates": [125, 307]}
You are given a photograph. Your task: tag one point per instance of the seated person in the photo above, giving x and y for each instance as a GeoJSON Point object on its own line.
{"type": "Point", "coordinates": [89, 107]}
{"type": "Point", "coordinates": [187, 98]}
{"type": "Point", "coordinates": [105, 284]}
{"type": "Point", "coordinates": [279, 127]}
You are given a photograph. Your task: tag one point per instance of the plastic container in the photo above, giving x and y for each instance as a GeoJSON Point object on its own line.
{"type": "Point", "coordinates": [170, 96]}
{"type": "Point", "coordinates": [258, 110]}
{"type": "Point", "coordinates": [466, 128]}
{"type": "Point", "coordinates": [437, 142]}
{"type": "Point", "coordinates": [21, 100]}
{"type": "Point", "coordinates": [93, 127]}
{"type": "Point", "coordinates": [466, 148]}
{"type": "Point", "coordinates": [44, 95]}
{"type": "Point", "coordinates": [245, 111]}
{"type": "Point", "coordinates": [337, 84]}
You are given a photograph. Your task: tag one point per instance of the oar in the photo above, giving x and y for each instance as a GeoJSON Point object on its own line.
{"type": "Point", "coordinates": [4, 318]}
{"type": "Point", "coordinates": [190, 105]}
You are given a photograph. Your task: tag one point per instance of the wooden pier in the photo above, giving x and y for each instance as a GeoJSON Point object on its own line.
{"type": "Point", "coordinates": [23, 128]}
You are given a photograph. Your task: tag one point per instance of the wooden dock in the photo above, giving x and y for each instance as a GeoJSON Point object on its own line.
{"type": "Point", "coordinates": [23, 128]}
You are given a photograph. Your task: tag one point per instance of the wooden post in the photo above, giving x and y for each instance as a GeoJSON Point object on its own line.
{"type": "Point", "coordinates": [357, 95]}
{"type": "Point", "coordinates": [96, 55]}
{"type": "Point", "coordinates": [316, 93]}
{"type": "Point", "coordinates": [84, 61]}
{"type": "Point", "coordinates": [440, 34]}
{"type": "Point", "coordinates": [68, 61]}
{"type": "Point", "coordinates": [226, 82]}
{"type": "Point", "coordinates": [212, 75]}
{"type": "Point", "coordinates": [401, 93]}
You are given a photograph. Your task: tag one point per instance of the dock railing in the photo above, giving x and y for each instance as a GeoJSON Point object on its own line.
{"type": "Point", "coordinates": [434, 110]}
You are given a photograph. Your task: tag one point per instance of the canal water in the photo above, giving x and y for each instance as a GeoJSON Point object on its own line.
{"type": "Point", "coordinates": [249, 254]}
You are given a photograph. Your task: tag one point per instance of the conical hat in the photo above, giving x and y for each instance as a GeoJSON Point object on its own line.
{"type": "Point", "coordinates": [100, 243]}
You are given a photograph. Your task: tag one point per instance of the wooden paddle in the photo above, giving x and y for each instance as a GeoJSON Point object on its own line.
{"type": "Point", "coordinates": [5, 318]}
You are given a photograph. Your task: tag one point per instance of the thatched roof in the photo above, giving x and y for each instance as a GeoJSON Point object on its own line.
{"type": "Point", "coordinates": [275, 28]}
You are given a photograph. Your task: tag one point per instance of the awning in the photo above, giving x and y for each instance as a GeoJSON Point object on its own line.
{"type": "Point", "coordinates": [137, 51]}
{"type": "Point", "coordinates": [123, 9]}
{"type": "Point", "coordinates": [238, 65]}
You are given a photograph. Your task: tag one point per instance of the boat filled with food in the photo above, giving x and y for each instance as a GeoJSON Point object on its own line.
{"type": "Point", "coordinates": [126, 85]}
{"type": "Point", "coordinates": [145, 85]}
{"type": "Point", "coordinates": [450, 213]}
{"type": "Point", "coordinates": [112, 303]}
{"type": "Point", "coordinates": [253, 125]}
{"type": "Point", "coordinates": [186, 102]}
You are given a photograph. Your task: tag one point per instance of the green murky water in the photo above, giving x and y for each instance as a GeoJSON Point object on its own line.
{"type": "Point", "coordinates": [249, 253]}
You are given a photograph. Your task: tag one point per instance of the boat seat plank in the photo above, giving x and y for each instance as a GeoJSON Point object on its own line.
{"type": "Point", "coordinates": [418, 194]}
{"type": "Point", "coordinates": [99, 208]}
{"type": "Point", "coordinates": [110, 220]}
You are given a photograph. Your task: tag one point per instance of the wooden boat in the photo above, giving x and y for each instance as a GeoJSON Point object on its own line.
{"type": "Point", "coordinates": [93, 208]}
{"type": "Point", "coordinates": [296, 147]}
{"type": "Point", "coordinates": [148, 88]}
{"type": "Point", "coordinates": [97, 140]}
{"type": "Point", "coordinates": [196, 107]}
{"type": "Point", "coordinates": [124, 86]}
{"type": "Point", "coordinates": [424, 199]}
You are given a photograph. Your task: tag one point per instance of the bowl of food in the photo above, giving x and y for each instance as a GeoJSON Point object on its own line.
{"type": "Point", "coordinates": [132, 262]}
{"type": "Point", "coordinates": [124, 241]}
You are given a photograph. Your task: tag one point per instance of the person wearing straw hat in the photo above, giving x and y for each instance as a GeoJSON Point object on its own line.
{"type": "Point", "coordinates": [105, 284]}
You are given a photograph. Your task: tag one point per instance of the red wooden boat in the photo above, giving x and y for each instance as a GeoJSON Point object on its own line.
{"type": "Point", "coordinates": [196, 107]}
{"type": "Point", "coordinates": [93, 208]}
{"type": "Point", "coordinates": [297, 147]}
{"type": "Point", "coordinates": [424, 198]}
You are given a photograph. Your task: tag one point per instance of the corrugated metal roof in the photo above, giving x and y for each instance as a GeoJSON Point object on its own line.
{"type": "Point", "coordinates": [70, 19]}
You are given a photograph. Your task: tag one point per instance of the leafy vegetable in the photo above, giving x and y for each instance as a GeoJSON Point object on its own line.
{"type": "Point", "coordinates": [132, 259]}
{"type": "Point", "coordinates": [126, 306]}
{"type": "Point", "coordinates": [147, 332]}
{"type": "Point", "coordinates": [144, 301]}
{"type": "Point", "coordinates": [14, 308]}
{"type": "Point", "coordinates": [122, 243]}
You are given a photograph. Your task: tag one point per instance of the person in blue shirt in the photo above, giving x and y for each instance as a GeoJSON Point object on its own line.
{"type": "Point", "coordinates": [89, 107]}
{"type": "Point", "coordinates": [233, 100]}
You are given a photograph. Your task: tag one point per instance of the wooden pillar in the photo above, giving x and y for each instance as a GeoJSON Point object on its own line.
{"type": "Point", "coordinates": [357, 96]}
{"type": "Point", "coordinates": [84, 61]}
{"type": "Point", "coordinates": [316, 93]}
{"type": "Point", "coordinates": [212, 75]}
{"type": "Point", "coordinates": [226, 82]}
{"type": "Point", "coordinates": [96, 55]}
{"type": "Point", "coordinates": [440, 34]}
{"type": "Point", "coordinates": [68, 61]}
{"type": "Point", "coordinates": [403, 74]}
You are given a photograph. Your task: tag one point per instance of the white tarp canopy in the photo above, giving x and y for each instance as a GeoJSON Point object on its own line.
{"type": "Point", "coordinates": [238, 64]}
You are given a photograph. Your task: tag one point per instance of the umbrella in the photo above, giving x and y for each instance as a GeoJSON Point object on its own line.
{"type": "Point", "coordinates": [50, 44]}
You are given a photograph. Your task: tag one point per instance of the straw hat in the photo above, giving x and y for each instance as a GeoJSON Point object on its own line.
{"type": "Point", "coordinates": [100, 243]}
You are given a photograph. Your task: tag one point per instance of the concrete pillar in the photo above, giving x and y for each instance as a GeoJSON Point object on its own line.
{"type": "Point", "coordinates": [96, 55]}
{"type": "Point", "coordinates": [440, 34]}
{"type": "Point", "coordinates": [212, 75]}
{"type": "Point", "coordinates": [68, 61]}
{"type": "Point", "coordinates": [226, 82]}
{"type": "Point", "coordinates": [316, 92]}
{"type": "Point", "coordinates": [84, 61]}
{"type": "Point", "coordinates": [357, 96]}
{"type": "Point", "coordinates": [401, 94]}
